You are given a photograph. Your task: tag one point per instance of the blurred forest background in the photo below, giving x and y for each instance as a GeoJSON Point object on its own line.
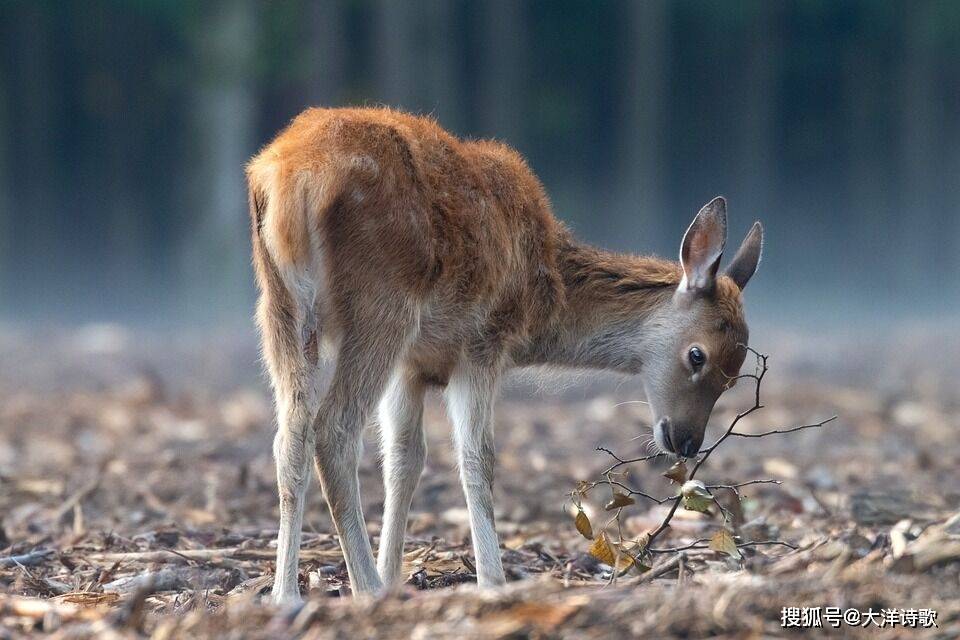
{"type": "Point", "coordinates": [125, 126]}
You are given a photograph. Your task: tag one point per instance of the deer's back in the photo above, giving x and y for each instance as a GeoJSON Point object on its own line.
{"type": "Point", "coordinates": [465, 228]}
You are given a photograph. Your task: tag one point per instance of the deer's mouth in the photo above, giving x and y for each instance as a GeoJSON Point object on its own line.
{"type": "Point", "coordinates": [661, 435]}
{"type": "Point", "coordinates": [676, 439]}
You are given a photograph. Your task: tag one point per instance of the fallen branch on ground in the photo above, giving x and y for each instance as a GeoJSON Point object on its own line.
{"type": "Point", "coordinates": [37, 556]}
{"type": "Point", "coordinates": [179, 556]}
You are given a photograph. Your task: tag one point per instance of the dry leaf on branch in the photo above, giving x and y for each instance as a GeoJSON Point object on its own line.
{"type": "Point", "coordinates": [722, 542]}
{"type": "Point", "coordinates": [619, 500]}
{"type": "Point", "coordinates": [678, 472]}
{"type": "Point", "coordinates": [583, 525]}
{"type": "Point", "coordinates": [610, 554]}
{"type": "Point", "coordinates": [601, 550]}
{"type": "Point", "coordinates": [696, 497]}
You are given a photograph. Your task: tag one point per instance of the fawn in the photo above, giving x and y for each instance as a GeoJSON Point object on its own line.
{"type": "Point", "coordinates": [414, 259]}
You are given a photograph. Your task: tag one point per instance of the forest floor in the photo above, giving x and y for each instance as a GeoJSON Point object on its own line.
{"type": "Point", "coordinates": [137, 499]}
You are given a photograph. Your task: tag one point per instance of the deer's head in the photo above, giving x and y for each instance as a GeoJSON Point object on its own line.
{"type": "Point", "coordinates": [697, 342]}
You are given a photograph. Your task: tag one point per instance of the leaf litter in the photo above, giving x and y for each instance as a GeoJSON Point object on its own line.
{"type": "Point", "coordinates": [137, 500]}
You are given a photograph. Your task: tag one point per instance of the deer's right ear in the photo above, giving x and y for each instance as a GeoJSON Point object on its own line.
{"type": "Point", "coordinates": [702, 246]}
{"type": "Point", "coordinates": [744, 264]}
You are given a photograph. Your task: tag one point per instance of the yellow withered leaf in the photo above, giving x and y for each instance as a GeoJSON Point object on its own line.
{"type": "Point", "coordinates": [722, 542]}
{"type": "Point", "coordinates": [620, 559]}
{"type": "Point", "coordinates": [601, 550]}
{"type": "Point", "coordinates": [619, 500]}
{"type": "Point", "coordinates": [678, 472]}
{"type": "Point", "coordinates": [695, 496]}
{"type": "Point", "coordinates": [583, 525]}
{"type": "Point", "coordinates": [624, 561]}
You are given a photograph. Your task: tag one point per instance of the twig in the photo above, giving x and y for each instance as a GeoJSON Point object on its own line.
{"type": "Point", "coordinates": [629, 490]}
{"type": "Point", "coordinates": [163, 580]}
{"type": "Point", "coordinates": [702, 543]}
{"type": "Point", "coordinates": [175, 556]}
{"type": "Point", "coordinates": [696, 544]}
{"type": "Point", "coordinates": [663, 569]}
{"type": "Point", "coordinates": [621, 462]}
{"type": "Point", "coordinates": [757, 405]}
{"type": "Point", "coordinates": [757, 376]}
{"type": "Point", "coordinates": [37, 556]}
{"type": "Point", "coordinates": [815, 425]}
{"type": "Point", "coordinates": [742, 484]}
{"type": "Point", "coordinates": [761, 543]}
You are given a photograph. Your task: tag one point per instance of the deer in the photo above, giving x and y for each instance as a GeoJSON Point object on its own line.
{"type": "Point", "coordinates": [412, 259]}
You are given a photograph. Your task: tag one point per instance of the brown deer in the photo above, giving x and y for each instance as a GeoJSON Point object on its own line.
{"type": "Point", "coordinates": [415, 259]}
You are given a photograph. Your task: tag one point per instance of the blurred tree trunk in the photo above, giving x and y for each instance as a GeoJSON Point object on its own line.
{"type": "Point", "coordinates": [441, 78]}
{"type": "Point", "coordinates": [416, 57]}
{"type": "Point", "coordinates": [38, 250]}
{"type": "Point", "coordinates": [326, 47]}
{"type": "Point", "coordinates": [217, 252]}
{"type": "Point", "coordinates": [6, 202]}
{"type": "Point", "coordinates": [641, 173]}
{"type": "Point", "coordinates": [869, 198]}
{"type": "Point", "coordinates": [755, 118]}
{"type": "Point", "coordinates": [920, 210]}
{"type": "Point", "coordinates": [393, 55]}
{"type": "Point", "coordinates": [125, 204]}
{"type": "Point", "coordinates": [502, 71]}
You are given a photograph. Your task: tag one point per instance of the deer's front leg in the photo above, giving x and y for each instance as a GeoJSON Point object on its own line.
{"type": "Point", "coordinates": [470, 398]}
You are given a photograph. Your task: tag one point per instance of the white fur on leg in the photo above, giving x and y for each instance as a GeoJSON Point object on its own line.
{"type": "Point", "coordinates": [404, 451]}
{"type": "Point", "coordinates": [291, 449]}
{"type": "Point", "coordinates": [366, 358]}
{"type": "Point", "coordinates": [470, 396]}
{"type": "Point", "coordinates": [295, 383]}
{"type": "Point", "coordinates": [285, 587]}
{"type": "Point", "coordinates": [337, 460]}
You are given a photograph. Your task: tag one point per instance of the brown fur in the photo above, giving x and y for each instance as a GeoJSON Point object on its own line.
{"type": "Point", "coordinates": [422, 259]}
{"type": "Point", "coordinates": [464, 225]}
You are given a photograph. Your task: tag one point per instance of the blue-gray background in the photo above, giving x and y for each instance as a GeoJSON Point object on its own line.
{"type": "Point", "coordinates": [124, 127]}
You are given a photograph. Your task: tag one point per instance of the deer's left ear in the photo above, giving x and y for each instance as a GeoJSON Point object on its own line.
{"type": "Point", "coordinates": [745, 263]}
{"type": "Point", "coordinates": [702, 246]}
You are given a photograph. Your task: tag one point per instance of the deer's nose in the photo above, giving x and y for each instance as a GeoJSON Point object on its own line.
{"type": "Point", "coordinates": [688, 446]}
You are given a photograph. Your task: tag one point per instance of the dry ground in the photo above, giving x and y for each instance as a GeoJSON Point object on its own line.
{"type": "Point", "coordinates": [137, 499]}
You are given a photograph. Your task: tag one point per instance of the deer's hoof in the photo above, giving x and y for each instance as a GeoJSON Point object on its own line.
{"type": "Point", "coordinates": [286, 599]}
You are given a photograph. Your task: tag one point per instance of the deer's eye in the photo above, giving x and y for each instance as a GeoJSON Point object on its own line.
{"type": "Point", "coordinates": [697, 357]}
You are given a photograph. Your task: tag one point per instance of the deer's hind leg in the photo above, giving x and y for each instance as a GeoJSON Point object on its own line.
{"type": "Point", "coordinates": [404, 451]}
{"type": "Point", "coordinates": [370, 348]}
{"type": "Point", "coordinates": [290, 332]}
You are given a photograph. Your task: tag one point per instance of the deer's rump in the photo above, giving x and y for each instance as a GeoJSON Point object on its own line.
{"type": "Point", "coordinates": [376, 198]}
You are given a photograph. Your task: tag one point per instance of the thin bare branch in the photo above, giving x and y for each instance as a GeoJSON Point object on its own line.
{"type": "Point", "coordinates": [703, 543]}
{"type": "Point", "coordinates": [743, 484]}
{"type": "Point", "coordinates": [630, 491]}
{"type": "Point", "coordinates": [37, 556]}
{"type": "Point", "coordinates": [815, 425]}
{"type": "Point", "coordinates": [621, 462]}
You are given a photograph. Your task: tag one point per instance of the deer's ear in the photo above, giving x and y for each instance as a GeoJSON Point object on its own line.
{"type": "Point", "coordinates": [745, 263]}
{"type": "Point", "coordinates": [702, 246]}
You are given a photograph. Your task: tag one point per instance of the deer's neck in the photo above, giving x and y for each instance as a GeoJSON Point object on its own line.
{"type": "Point", "coordinates": [611, 299]}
